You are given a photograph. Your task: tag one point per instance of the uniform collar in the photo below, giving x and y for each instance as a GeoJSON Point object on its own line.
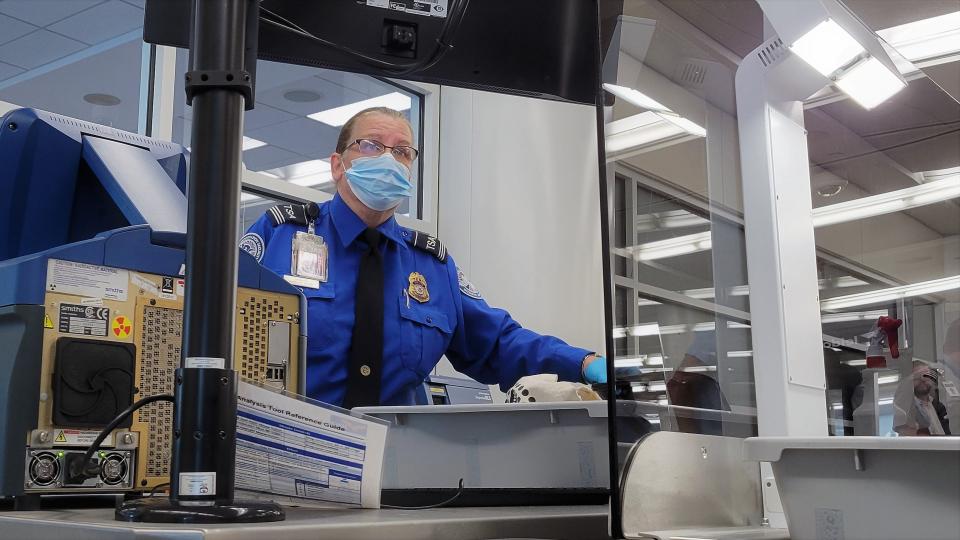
{"type": "Point", "coordinates": [349, 225]}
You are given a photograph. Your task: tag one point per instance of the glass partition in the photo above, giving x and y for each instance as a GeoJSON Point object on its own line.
{"type": "Point", "coordinates": [885, 185]}
{"type": "Point", "coordinates": [293, 129]}
{"type": "Point", "coordinates": [681, 312]}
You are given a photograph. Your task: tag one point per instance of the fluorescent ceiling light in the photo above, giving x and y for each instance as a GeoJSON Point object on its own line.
{"type": "Point", "coordinates": [644, 101]}
{"type": "Point", "coordinates": [926, 39]}
{"type": "Point", "coordinates": [637, 98]}
{"type": "Point", "coordinates": [709, 292]}
{"type": "Point", "coordinates": [841, 282]}
{"type": "Point", "coordinates": [739, 354]}
{"type": "Point", "coordinates": [338, 116]}
{"type": "Point", "coordinates": [870, 83]}
{"type": "Point", "coordinates": [249, 143]}
{"type": "Point", "coordinates": [888, 379]}
{"type": "Point", "coordinates": [671, 219]}
{"type": "Point", "coordinates": [686, 125]}
{"type": "Point", "coordinates": [656, 386]}
{"type": "Point", "coordinates": [893, 293]}
{"type": "Point", "coordinates": [640, 133]}
{"type": "Point", "coordinates": [827, 47]}
{"type": "Point", "coordinates": [672, 247]}
{"type": "Point", "coordinates": [632, 361]}
{"type": "Point", "coordinates": [829, 318]}
{"type": "Point", "coordinates": [885, 203]}
{"type": "Point", "coordinates": [858, 362]}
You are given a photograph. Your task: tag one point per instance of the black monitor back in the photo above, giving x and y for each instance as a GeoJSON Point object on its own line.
{"type": "Point", "coordinates": [538, 48]}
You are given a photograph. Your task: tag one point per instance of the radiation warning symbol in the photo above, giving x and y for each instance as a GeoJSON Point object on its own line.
{"type": "Point", "coordinates": [122, 326]}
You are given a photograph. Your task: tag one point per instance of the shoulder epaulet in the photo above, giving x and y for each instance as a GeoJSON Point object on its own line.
{"type": "Point", "coordinates": [430, 244]}
{"type": "Point", "coordinates": [298, 214]}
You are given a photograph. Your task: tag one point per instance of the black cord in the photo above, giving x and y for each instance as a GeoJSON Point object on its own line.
{"type": "Point", "coordinates": [429, 506]}
{"type": "Point", "coordinates": [454, 18]}
{"type": "Point", "coordinates": [158, 487]}
{"type": "Point", "coordinates": [87, 469]}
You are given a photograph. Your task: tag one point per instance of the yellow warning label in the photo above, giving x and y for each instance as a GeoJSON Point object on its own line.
{"type": "Point", "coordinates": [47, 323]}
{"type": "Point", "coordinates": [61, 437]}
{"type": "Point", "coordinates": [122, 326]}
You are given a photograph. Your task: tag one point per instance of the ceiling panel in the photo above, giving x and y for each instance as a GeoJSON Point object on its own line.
{"type": "Point", "coordinates": [114, 71]}
{"type": "Point", "coordinates": [11, 29]}
{"type": "Point", "coordinates": [880, 14]}
{"type": "Point", "coordinates": [947, 76]}
{"type": "Point", "coordinates": [331, 95]}
{"type": "Point", "coordinates": [737, 24]}
{"type": "Point", "coordinates": [100, 22]}
{"type": "Point", "coordinates": [264, 115]}
{"type": "Point", "coordinates": [7, 71]}
{"type": "Point", "coordinates": [38, 48]}
{"type": "Point", "coordinates": [270, 157]}
{"type": "Point", "coordinates": [44, 12]}
{"type": "Point", "coordinates": [368, 86]}
{"type": "Point", "coordinates": [303, 136]}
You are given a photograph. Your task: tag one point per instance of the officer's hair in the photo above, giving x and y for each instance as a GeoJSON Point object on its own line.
{"type": "Point", "coordinates": [346, 132]}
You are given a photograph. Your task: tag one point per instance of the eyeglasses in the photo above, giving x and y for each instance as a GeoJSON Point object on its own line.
{"type": "Point", "coordinates": [370, 147]}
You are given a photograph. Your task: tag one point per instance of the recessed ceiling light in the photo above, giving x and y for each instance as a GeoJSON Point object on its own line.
{"type": "Point", "coordinates": [338, 116]}
{"type": "Point", "coordinates": [302, 96]}
{"type": "Point", "coordinates": [105, 100]}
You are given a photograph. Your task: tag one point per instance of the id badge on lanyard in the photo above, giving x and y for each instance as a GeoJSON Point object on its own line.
{"type": "Point", "coordinates": [310, 256]}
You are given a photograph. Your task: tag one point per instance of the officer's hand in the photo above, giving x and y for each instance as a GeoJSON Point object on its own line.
{"type": "Point", "coordinates": [594, 369]}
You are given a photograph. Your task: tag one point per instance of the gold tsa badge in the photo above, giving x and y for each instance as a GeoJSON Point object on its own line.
{"type": "Point", "coordinates": [418, 287]}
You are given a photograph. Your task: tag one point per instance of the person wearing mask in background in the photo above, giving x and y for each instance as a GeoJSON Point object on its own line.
{"type": "Point", "coordinates": [916, 411]}
{"type": "Point", "coordinates": [384, 302]}
{"type": "Point", "coordinates": [950, 377]}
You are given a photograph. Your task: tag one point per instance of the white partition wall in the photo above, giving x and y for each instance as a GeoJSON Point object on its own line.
{"type": "Point", "coordinates": [519, 208]}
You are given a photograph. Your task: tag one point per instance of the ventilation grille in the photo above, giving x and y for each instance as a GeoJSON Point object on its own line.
{"type": "Point", "coordinates": [691, 73]}
{"type": "Point", "coordinates": [772, 53]}
{"type": "Point", "coordinates": [255, 313]}
{"type": "Point", "coordinates": [89, 127]}
{"type": "Point", "coordinates": [160, 341]}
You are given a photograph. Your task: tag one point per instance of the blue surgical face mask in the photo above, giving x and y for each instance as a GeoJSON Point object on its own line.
{"type": "Point", "coordinates": [381, 182]}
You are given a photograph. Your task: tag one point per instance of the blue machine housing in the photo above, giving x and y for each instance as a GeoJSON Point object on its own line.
{"type": "Point", "coordinates": [83, 192]}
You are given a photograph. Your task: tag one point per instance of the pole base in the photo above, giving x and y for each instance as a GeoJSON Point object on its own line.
{"type": "Point", "coordinates": [161, 510]}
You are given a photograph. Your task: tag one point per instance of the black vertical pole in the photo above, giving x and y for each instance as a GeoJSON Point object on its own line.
{"type": "Point", "coordinates": [607, 10]}
{"type": "Point", "coordinates": [202, 467]}
{"type": "Point", "coordinates": [204, 441]}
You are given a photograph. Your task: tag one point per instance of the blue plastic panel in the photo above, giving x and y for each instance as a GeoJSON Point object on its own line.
{"type": "Point", "coordinates": [138, 184]}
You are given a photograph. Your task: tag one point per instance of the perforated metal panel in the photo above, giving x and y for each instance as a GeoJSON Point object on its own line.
{"type": "Point", "coordinates": [255, 314]}
{"type": "Point", "coordinates": [159, 356]}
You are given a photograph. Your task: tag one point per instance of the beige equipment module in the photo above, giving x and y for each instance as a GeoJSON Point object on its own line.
{"type": "Point", "coordinates": [101, 355]}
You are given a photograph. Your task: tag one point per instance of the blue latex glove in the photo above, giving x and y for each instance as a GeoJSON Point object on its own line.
{"type": "Point", "coordinates": [596, 371]}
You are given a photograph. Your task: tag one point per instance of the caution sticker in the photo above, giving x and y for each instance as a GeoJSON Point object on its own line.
{"type": "Point", "coordinates": [83, 320]}
{"type": "Point", "coordinates": [47, 322]}
{"type": "Point", "coordinates": [76, 437]}
{"type": "Point", "coordinates": [122, 326]}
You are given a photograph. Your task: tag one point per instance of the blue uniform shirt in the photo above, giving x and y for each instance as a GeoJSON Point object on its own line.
{"type": "Point", "coordinates": [481, 341]}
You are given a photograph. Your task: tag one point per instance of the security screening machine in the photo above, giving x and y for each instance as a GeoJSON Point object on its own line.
{"type": "Point", "coordinates": [91, 307]}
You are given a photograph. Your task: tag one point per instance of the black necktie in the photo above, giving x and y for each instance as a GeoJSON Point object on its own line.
{"type": "Point", "coordinates": [366, 344]}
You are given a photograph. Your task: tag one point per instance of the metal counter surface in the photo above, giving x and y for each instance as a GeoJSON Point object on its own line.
{"type": "Point", "coordinates": [544, 522]}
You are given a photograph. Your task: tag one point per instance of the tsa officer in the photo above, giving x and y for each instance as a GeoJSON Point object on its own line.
{"type": "Point", "coordinates": [384, 302]}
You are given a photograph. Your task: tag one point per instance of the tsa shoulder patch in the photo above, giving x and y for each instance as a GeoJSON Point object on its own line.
{"type": "Point", "coordinates": [466, 287]}
{"type": "Point", "coordinates": [252, 243]}
{"type": "Point", "coordinates": [297, 214]}
{"type": "Point", "coordinates": [430, 244]}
